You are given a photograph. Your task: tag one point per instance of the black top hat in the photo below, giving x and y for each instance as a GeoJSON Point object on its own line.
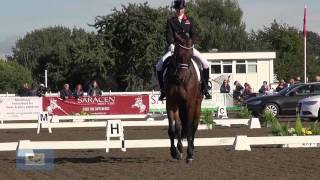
{"type": "Point", "coordinates": [179, 4]}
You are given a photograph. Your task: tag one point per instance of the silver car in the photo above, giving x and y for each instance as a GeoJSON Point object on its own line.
{"type": "Point", "coordinates": [309, 107]}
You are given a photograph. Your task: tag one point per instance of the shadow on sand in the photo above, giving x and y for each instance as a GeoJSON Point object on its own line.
{"type": "Point", "coordinates": [101, 159]}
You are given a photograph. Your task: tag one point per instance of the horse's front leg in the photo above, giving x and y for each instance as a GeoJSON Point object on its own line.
{"type": "Point", "coordinates": [171, 133]}
{"type": "Point", "coordinates": [194, 115]}
{"type": "Point", "coordinates": [178, 129]}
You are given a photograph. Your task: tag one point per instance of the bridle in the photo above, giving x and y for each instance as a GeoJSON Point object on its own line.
{"type": "Point", "coordinates": [187, 48]}
{"type": "Point", "coordinates": [182, 65]}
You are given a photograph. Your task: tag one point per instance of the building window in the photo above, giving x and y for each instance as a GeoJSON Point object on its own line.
{"type": "Point", "coordinates": [227, 66]}
{"type": "Point", "coordinates": [252, 66]}
{"type": "Point", "coordinates": [241, 66]}
{"type": "Point", "coordinates": [216, 69]}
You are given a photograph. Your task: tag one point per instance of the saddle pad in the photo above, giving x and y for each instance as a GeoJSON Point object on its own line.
{"type": "Point", "coordinates": [197, 69]}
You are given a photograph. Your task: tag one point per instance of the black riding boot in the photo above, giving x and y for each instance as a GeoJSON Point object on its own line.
{"type": "Point", "coordinates": [160, 79]}
{"type": "Point", "coordinates": [205, 86]}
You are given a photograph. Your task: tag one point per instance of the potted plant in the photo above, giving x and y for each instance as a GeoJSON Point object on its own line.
{"type": "Point", "coordinates": [206, 117]}
{"type": "Point", "coordinates": [244, 113]}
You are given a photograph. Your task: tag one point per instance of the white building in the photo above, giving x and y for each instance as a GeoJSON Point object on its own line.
{"type": "Point", "coordinates": [250, 67]}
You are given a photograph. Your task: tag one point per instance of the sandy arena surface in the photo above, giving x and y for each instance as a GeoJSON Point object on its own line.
{"type": "Point", "coordinates": [156, 163]}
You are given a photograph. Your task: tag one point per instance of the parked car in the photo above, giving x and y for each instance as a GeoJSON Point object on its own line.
{"type": "Point", "coordinates": [283, 102]}
{"type": "Point", "coordinates": [309, 107]}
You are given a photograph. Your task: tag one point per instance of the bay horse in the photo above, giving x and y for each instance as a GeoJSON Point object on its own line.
{"type": "Point", "coordinates": [184, 97]}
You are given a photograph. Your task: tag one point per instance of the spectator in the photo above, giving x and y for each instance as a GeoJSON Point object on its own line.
{"type": "Point", "coordinates": [42, 90]}
{"type": "Point", "coordinates": [225, 87]}
{"type": "Point", "coordinates": [317, 78]}
{"type": "Point", "coordinates": [237, 91]}
{"type": "Point", "coordinates": [33, 90]}
{"type": "Point", "coordinates": [281, 85]}
{"type": "Point", "coordinates": [297, 80]}
{"type": "Point", "coordinates": [94, 89]}
{"type": "Point", "coordinates": [65, 93]}
{"type": "Point", "coordinates": [291, 82]}
{"type": "Point", "coordinates": [24, 90]}
{"type": "Point", "coordinates": [247, 92]}
{"type": "Point", "coordinates": [264, 88]}
{"type": "Point", "coordinates": [78, 92]}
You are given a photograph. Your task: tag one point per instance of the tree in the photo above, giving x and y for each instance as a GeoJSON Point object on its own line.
{"type": "Point", "coordinates": [313, 54]}
{"type": "Point", "coordinates": [135, 37]}
{"type": "Point", "coordinates": [70, 56]}
{"type": "Point", "coordinates": [13, 76]}
{"type": "Point", "coordinates": [89, 59]}
{"type": "Point", "coordinates": [287, 41]}
{"type": "Point", "coordinates": [219, 25]}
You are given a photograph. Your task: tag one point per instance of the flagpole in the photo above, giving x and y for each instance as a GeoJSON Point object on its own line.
{"type": "Point", "coordinates": [305, 43]}
{"type": "Point", "coordinates": [305, 59]}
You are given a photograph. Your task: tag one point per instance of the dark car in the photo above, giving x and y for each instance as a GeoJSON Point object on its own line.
{"type": "Point", "coordinates": [283, 102]}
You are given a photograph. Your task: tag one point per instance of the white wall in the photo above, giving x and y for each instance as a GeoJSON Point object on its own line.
{"type": "Point", "coordinates": [265, 69]}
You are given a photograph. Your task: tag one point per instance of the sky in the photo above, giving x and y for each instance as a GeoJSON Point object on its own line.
{"type": "Point", "coordinates": [17, 17]}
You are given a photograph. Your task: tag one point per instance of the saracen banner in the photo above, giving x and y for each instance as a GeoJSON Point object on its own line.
{"type": "Point", "coordinates": [97, 105]}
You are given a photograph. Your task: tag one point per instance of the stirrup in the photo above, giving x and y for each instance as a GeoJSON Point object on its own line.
{"type": "Point", "coordinates": [207, 95]}
{"type": "Point", "coordinates": [162, 96]}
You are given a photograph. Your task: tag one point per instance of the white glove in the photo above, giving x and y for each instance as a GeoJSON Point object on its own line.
{"type": "Point", "coordinates": [171, 48]}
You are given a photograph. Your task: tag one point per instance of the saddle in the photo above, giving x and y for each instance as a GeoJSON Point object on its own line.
{"type": "Point", "coordinates": [196, 63]}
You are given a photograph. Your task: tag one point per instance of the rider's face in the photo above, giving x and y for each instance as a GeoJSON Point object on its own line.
{"type": "Point", "coordinates": [180, 12]}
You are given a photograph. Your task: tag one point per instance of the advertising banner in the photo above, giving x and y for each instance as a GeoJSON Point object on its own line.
{"type": "Point", "coordinates": [97, 105]}
{"type": "Point", "coordinates": [20, 108]}
{"type": "Point", "coordinates": [160, 106]}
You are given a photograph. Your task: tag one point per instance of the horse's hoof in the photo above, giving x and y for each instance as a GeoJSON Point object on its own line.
{"type": "Point", "coordinates": [180, 156]}
{"type": "Point", "coordinates": [189, 160]}
{"type": "Point", "coordinates": [173, 153]}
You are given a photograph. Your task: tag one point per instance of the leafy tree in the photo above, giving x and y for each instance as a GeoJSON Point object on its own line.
{"type": "Point", "coordinates": [135, 37]}
{"type": "Point", "coordinates": [89, 59]}
{"type": "Point", "coordinates": [287, 41]}
{"type": "Point", "coordinates": [13, 76]}
{"type": "Point", "coordinates": [313, 54]}
{"type": "Point", "coordinates": [219, 25]}
{"type": "Point", "coordinates": [73, 56]}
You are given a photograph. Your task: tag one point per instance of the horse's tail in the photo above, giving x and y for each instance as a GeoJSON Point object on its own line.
{"type": "Point", "coordinates": [184, 121]}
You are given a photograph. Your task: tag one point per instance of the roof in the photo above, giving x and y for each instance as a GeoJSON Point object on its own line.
{"type": "Point", "coordinates": [240, 55]}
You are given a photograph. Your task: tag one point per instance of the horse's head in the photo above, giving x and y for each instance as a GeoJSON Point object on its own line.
{"type": "Point", "coordinates": [183, 53]}
{"type": "Point", "coordinates": [183, 49]}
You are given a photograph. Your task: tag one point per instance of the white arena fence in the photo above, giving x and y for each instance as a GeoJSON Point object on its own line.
{"type": "Point", "coordinates": [25, 148]}
{"type": "Point", "coordinates": [238, 143]}
{"type": "Point", "coordinates": [253, 123]}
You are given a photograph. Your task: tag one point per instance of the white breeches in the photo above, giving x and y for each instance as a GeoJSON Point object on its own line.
{"type": "Point", "coordinates": [196, 53]}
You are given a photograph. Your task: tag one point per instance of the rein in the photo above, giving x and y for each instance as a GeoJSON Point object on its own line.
{"type": "Point", "coordinates": [184, 47]}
